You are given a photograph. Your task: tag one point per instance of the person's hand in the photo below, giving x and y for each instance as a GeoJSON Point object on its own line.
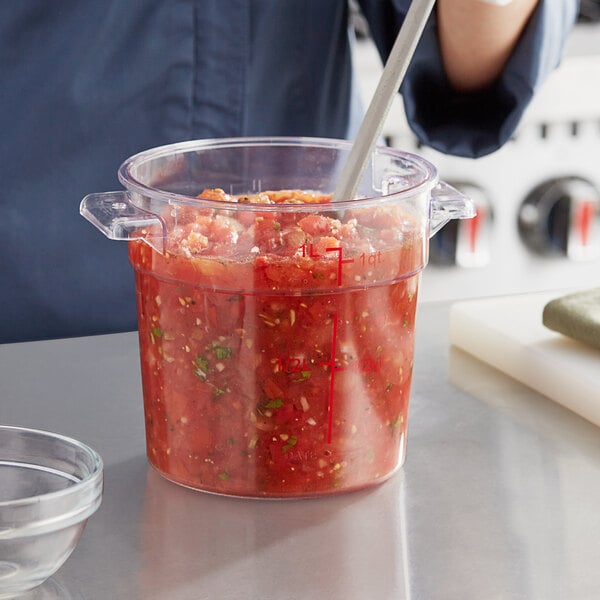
{"type": "Point", "coordinates": [477, 38]}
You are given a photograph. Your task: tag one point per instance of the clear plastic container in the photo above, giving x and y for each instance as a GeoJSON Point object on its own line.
{"type": "Point", "coordinates": [49, 487]}
{"type": "Point", "coordinates": [276, 327]}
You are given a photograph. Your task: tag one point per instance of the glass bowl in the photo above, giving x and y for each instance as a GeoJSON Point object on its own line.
{"type": "Point", "coordinates": [49, 486]}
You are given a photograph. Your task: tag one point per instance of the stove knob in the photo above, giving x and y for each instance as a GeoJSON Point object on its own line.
{"type": "Point", "coordinates": [560, 217]}
{"type": "Point", "coordinates": [465, 242]}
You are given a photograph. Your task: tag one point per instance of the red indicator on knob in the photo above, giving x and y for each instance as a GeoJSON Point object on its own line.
{"type": "Point", "coordinates": [473, 227]}
{"type": "Point", "coordinates": [583, 218]}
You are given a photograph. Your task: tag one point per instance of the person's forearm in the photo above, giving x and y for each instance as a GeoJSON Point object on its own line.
{"type": "Point", "coordinates": [476, 39]}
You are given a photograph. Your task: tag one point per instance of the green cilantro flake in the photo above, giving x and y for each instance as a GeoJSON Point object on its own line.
{"type": "Point", "coordinates": [201, 367]}
{"type": "Point", "coordinates": [275, 403]}
{"type": "Point", "coordinates": [224, 476]}
{"type": "Point", "coordinates": [304, 375]}
{"type": "Point", "coordinates": [235, 298]}
{"type": "Point", "coordinates": [290, 443]}
{"type": "Point", "coordinates": [222, 352]}
{"type": "Point", "coordinates": [155, 332]}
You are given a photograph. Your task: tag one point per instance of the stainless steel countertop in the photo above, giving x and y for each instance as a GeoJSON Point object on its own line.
{"type": "Point", "coordinates": [499, 497]}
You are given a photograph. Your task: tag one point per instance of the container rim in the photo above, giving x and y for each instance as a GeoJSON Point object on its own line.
{"type": "Point", "coordinates": [90, 481]}
{"type": "Point", "coordinates": [133, 184]}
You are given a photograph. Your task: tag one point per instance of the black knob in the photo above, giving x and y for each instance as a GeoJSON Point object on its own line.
{"type": "Point", "coordinates": [559, 217]}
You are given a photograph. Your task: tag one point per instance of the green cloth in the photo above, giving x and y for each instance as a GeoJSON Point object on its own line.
{"type": "Point", "coordinates": [576, 316]}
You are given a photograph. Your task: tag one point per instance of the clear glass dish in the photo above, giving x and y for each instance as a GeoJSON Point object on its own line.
{"type": "Point", "coordinates": [49, 486]}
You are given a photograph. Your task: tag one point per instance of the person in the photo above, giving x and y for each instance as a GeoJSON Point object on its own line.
{"type": "Point", "coordinates": [87, 84]}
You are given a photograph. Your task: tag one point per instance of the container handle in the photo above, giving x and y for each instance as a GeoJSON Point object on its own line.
{"type": "Point", "coordinates": [448, 203]}
{"type": "Point", "coordinates": [115, 215]}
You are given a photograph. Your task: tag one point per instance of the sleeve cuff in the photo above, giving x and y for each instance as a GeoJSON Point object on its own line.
{"type": "Point", "coordinates": [477, 124]}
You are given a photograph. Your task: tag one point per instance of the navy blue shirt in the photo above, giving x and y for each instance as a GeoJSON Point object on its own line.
{"type": "Point", "coordinates": [86, 84]}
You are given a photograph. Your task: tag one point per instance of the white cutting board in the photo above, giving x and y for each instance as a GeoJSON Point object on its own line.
{"type": "Point", "coordinates": [507, 333]}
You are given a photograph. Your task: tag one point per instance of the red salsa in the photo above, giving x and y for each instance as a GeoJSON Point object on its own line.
{"type": "Point", "coordinates": [277, 347]}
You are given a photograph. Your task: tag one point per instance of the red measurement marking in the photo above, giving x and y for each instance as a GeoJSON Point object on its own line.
{"type": "Point", "coordinates": [473, 230]}
{"type": "Point", "coordinates": [584, 215]}
{"type": "Point", "coordinates": [308, 251]}
{"type": "Point", "coordinates": [292, 364]}
{"type": "Point", "coordinates": [334, 369]}
{"type": "Point", "coordinates": [341, 261]}
{"type": "Point", "coordinates": [366, 365]}
{"type": "Point", "coordinates": [371, 259]}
